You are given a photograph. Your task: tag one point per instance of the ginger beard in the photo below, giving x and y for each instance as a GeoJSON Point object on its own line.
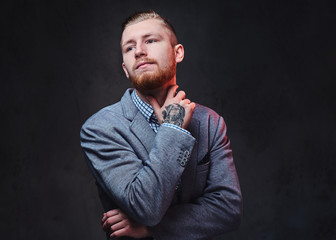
{"type": "Point", "coordinates": [146, 81]}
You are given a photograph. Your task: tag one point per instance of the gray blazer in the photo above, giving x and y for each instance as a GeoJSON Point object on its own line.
{"type": "Point", "coordinates": [181, 186]}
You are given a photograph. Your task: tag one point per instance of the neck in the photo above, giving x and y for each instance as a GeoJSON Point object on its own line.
{"type": "Point", "coordinates": [160, 94]}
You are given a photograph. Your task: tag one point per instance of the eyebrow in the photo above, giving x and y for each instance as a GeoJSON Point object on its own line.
{"type": "Point", "coordinates": [129, 41]}
{"type": "Point", "coordinates": [143, 37]}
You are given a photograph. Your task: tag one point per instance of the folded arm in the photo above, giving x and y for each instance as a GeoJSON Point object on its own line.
{"type": "Point", "coordinates": [216, 210]}
{"type": "Point", "coordinates": [142, 188]}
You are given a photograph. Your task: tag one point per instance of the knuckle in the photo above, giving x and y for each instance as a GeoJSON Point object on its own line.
{"type": "Point", "coordinates": [111, 213]}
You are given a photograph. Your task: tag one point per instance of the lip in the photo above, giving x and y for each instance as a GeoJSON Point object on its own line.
{"type": "Point", "coordinates": [143, 64]}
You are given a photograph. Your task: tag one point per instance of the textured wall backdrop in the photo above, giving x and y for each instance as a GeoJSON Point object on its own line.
{"type": "Point", "coordinates": [268, 67]}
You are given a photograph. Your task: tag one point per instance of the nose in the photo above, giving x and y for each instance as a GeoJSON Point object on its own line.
{"type": "Point", "coordinates": [140, 51]}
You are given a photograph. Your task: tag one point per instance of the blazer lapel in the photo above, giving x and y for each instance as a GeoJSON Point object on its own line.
{"type": "Point", "coordinates": [139, 126]}
{"type": "Point", "coordinates": [141, 129]}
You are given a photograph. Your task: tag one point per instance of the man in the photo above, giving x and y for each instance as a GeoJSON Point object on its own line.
{"type": "Point", "coordinates": [163, 164]}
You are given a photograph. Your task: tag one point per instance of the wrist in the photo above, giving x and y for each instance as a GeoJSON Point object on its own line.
{"type": "Point", "coordinates": [176, 127]}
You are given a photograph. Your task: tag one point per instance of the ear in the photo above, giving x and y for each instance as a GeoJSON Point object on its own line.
{"type": "Point", "coordinates": [179, 53]}
{"type": "Point", "coordinates": [125, 70]}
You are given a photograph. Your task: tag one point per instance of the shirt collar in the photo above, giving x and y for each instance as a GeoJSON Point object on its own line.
{"type": "Point", "coordinates": [145, 108]}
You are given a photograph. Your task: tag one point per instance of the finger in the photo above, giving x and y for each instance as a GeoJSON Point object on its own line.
{"type": "Point", "coordinates": [106, 226]}
{"type": "Point", "coordinates": [109, 214]}
{"type": "Point", "coordinates": [123, 215]}
{"type": "Point", "coordinates": [104, 218]}
{"type": "Point", "coordinates": [180, 95]}
{"type": "Point", "coordinates": [121, 232]}
{"type": "Point", "coordinates": [153, 102]}
{"type": "Point", "coordinates": [189, 107]}
{"type": "Point", "coordinates": [185, 101]}
{"type": "Point", "coordinates": [172, 91]}
{"type": "Point", "coordinates": [112, 212]}
{"type": "Point", "coordinates": [119, 225]}
{"type": "Point", "coordinates": [192, 105]}
{"type": "Point", "coordinates": [156, 107]}
{"type": "Point", "coordinates": [111, 221]}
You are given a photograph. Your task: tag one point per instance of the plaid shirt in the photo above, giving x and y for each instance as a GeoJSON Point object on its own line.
{"type": "Point", "coordinates": [148, 112]}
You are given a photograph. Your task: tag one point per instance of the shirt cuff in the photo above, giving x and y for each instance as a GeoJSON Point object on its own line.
{"type": "Point", "coordinates": [176, 127]}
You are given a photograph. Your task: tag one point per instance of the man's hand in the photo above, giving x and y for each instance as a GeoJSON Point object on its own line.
{"type": "Point", "coordinates": [119, 224]}
{"type": "Point", "coordinates": [176, 109]}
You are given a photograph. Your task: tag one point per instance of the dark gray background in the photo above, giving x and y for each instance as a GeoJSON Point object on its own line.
{"type": "Point", "coordinates": [268, 67]}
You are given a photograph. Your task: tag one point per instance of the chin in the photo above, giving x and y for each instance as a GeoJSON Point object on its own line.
{"type": "Point", "coordinates": [149, 83]}
{"type": "Point", "coordinates": [154, 81]}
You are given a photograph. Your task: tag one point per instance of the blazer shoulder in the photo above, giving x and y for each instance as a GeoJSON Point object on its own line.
{"type": "Point", "coordinates": [203, 113]}
{"type": "Point", "coordinates": [109, 114]}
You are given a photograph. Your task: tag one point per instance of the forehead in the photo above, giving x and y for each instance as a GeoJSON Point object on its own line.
{"type": "Point", "coordinates": [146, 27]}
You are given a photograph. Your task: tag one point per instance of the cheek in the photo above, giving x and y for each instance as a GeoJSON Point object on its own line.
{"type": "Point", "coordinates": [128, 65]}
{"type": "Point", "coordinates": [127, 59]}
{"type": "Point", "coordinates": [163, 58]}
{"type": "Point", "coordinates": [167, 60]}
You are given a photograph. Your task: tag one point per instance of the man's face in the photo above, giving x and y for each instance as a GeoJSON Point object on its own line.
{"type": "Point", "coordinates": [149, 59]}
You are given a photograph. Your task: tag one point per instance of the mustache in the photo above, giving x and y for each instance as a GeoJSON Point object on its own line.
{"type": "Point", "coordinates": [145, 59]}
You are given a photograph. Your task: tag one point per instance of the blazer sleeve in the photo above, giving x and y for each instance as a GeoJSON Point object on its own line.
{"type": "Point", "coordinates": [218, 209]}
{"type": "Point", "coordinates": [142, 188]}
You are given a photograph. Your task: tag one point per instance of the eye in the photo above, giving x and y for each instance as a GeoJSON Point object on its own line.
{"type": "Point", "coordinates": [130, 48]}
{"type": "Point", "coordinates": [150, 41]}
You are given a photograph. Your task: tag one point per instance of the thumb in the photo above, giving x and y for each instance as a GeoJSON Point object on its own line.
{"type": "Point", "coordinates": [156, 107]}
